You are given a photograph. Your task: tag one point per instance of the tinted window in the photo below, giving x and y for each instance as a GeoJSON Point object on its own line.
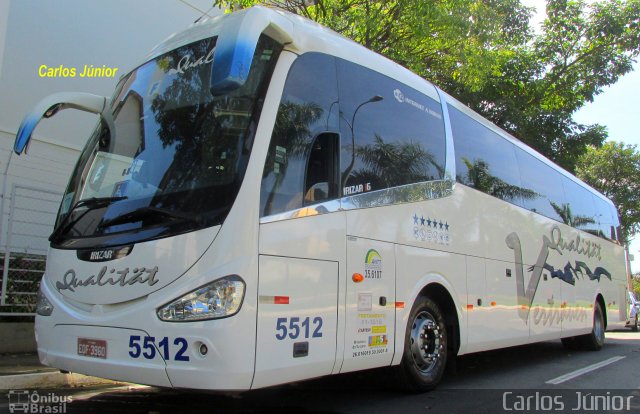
{"type": "Point", "coordinates": [485, 160]}
{"type": "Point", "coordinates": [309, 107]}
{"type": "Point", "coordinates": [545, 183]}
{"type": "Point", "coordinates": [398, 132]}
{"type": "Point", "coordinates": [578, 210]}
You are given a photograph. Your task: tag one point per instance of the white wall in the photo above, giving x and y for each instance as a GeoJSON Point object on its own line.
{"type": "Point", "coordinates": [115, 33]}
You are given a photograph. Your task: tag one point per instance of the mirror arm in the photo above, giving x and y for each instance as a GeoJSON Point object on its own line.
{"type": "Point", "coordinates": [52, 104]}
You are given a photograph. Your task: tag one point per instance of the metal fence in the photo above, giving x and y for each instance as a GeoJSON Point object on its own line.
{"type": "Point", "coordinates": [30, 220]}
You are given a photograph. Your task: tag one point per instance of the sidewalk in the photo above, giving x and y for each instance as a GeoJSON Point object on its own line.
{"type": "Point", "coordinates": [24, 371]}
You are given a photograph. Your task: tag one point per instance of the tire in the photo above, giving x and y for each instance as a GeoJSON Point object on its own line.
{"type": "Point", "coordinates": [634, 326]}
{"type": "Point", "coordinates": [425, 347]}
{"type": "Point", "coordinates": [594, 341]}
{"type": "Point", "coordinates": [570, 343]}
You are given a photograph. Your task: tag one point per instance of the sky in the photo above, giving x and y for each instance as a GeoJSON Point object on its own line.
{"type": "Point", "coordinates": [615, 107]}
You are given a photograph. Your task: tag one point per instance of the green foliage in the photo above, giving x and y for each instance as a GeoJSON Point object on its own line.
{"type": "Point", "coordinates": [485, 53]}
{"type": "Point", "coordinates": [614, 170]}
{"type": "Point", "coordinates": [635, 282]}
{"type": "Point", "coordinates": [567, 216]}
{"type": "Point", "coordinates": [479, 178]}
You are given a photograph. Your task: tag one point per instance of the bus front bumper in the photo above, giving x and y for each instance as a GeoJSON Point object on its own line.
{"type": "Point", "coordinates": [116, 365]}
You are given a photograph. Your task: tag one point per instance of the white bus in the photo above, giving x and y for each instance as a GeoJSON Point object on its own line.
{"type": "Point", "coordinates": [265, 201]}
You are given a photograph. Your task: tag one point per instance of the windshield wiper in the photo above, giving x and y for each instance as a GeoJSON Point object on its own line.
{"type": "Point", "coordinates": [146, 212]}
{"type": "Point", "coordinates": [91, 204]}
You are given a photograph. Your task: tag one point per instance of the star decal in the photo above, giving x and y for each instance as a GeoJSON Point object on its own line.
{"type": "Point", "coordinates": [446, 226]}
{"type": "Point", "coordinates": [415, 218]}
{"type": "Point", "coordinates": [429, 222]}
{"type": "Point", "coordinates": [441, 225]}
{"type": "Point", "coordinates": [422, 220]}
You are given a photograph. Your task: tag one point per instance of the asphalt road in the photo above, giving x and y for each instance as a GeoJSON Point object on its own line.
{"type": "Point", "coordinates": [530, 379]}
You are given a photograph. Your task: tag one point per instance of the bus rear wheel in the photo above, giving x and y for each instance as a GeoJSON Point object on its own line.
{"type": "Point", "coordinates": [594, 341]}
{"type": "Point", "coordinates": [425, 347]}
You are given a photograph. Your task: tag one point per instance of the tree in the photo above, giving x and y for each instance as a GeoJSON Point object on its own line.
{"type": "Point", "coordinates": [614, 170]}
{"type": "Point", "coordinates": [479, 178]}
{"type": "Point", "coordinates": [568, 218]}
{"type": "Point", "coordinates": [487, 55]}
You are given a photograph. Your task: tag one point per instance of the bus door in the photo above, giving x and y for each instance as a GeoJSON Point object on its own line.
{"type": "Point", "coordinates": [370, 304]}
{"type": "Point", "coordinates": [302, 229]}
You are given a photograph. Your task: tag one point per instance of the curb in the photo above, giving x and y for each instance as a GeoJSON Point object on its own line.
{"type": "Point", "coordinates": [51, 380]}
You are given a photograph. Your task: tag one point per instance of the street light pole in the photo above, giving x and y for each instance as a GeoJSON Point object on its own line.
{"type": "Point", "coordinates": [375, 98]}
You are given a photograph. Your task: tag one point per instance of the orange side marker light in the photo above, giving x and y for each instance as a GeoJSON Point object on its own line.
{"type": "Point", "coordinates": [281, 300]}
{"type": "Point", "coordinates": [357, 277]}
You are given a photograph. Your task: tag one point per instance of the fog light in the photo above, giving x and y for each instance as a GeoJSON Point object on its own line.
{"type": "Point", "coordinates": [43, 306]}
{"type": "Point", "coordinates": [203, 349]}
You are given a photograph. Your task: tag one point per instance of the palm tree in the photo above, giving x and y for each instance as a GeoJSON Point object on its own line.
{"type": "Point", "coordinates": [479, 178]}
{"type": "Point", "coordinates": [567, 217]}
{"type": "Point", "coordinates": [389, 164]}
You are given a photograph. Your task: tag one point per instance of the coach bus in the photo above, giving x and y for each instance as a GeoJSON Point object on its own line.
{"type": "Point", "coordinates": [265, 201]}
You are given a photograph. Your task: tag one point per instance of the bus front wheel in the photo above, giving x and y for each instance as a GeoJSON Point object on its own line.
{"type": "Point", "coordinates": [425, 347]}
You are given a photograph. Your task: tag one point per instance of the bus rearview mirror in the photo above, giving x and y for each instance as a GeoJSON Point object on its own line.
{"type": "Point", "coordinates": [50, 105]}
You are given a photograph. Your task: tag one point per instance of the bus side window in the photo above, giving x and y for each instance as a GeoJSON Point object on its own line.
{"type": "Point", "coordinates": [321, 176]}
{"type": "Point", "coordinates": [304, 138]}
{"type": "Point", "coordinates": [392, 134]}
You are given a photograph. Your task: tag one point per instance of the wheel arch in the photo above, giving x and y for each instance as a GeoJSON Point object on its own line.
{"type": "Point", "coordinates": [600, 300]}
{"type": "Point", "coordinates": [439, 294]}
{"type": "Point", "coordinates": [444, 294]}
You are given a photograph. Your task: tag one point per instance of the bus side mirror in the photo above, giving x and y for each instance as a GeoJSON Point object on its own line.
{"type": "Point", "coordinates": [50, 105]}
{"type": "Point", "coordinates": [237, 43]}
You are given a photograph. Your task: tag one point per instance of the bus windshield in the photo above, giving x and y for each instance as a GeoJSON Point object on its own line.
{"type": "Point", "coordinates": [173, 156]}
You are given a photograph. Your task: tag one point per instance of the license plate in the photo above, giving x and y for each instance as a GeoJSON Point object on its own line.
{"type": "Point", "coordinates": [96, 348]}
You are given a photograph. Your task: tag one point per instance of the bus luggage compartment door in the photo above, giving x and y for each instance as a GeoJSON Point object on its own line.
{"type": "Point", "coordinates": [297, 317]}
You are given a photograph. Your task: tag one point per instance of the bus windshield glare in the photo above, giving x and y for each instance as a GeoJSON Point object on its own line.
{"type": "Point", "coordinates": [178, 155]}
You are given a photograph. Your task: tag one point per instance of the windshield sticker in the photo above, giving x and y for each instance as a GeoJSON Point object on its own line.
{"type": "Point", "coordinates": [431, 230]}
{"type": "Point", "coordinates": [373, 265]}
{"type": "Point", "coordinates": [281, 154]}
{"type": "Point", "coordinates": [403, 99]}
{"type": "Point", "coordinates": [188, 62]}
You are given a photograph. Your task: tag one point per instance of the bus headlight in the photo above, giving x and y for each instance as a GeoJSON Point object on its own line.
{"type": "Point", "coordinates": [217, 299]}
{"type": "Point", "coordinates": [43, 306]}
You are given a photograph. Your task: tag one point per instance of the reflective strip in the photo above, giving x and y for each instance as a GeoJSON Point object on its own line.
{"type": "Point", "coordinates": [274, 300]}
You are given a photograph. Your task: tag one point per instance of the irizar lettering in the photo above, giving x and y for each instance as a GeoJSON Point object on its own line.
{"type": "Point", "coordinates": [123, 277]}
{"type": "Point", "coordinates": [101, 255]}
{"type": "Point", "coordinates": [356, 189]}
